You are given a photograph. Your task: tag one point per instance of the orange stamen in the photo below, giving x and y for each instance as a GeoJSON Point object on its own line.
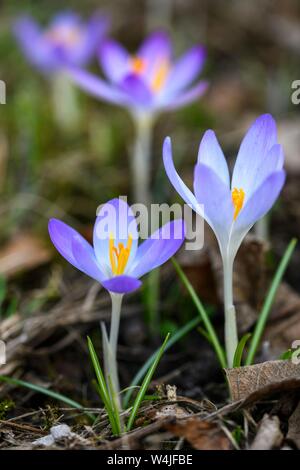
{"type": "Point", "coordinates": [238, 196]}
{"type": "Point", "coordinates": [119, 256]}
{"type": "Point", "coordinates": [160, 76]}
{"type": "Point", "coordinates": [138, 65]}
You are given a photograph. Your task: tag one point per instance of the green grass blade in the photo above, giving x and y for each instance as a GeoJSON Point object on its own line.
{"type": "Point", "coordinates": [44, 391]}
{"type": "Point", "coordinates": [115, 405]}
{"type": "Point", "coordinates": [102, 388]}
{"type": "Point", "coordinates": [143, 370]}
{"type": "Point", "coordinates": [144, 387]}
{"type": "Point", "coordinates": [237, 360]}
{"type": "Point", "coordinates": [207, 323]}
{"type": "Point", "coordinates": [98, 372]}
{"type": "Point", "coordinates": [263, 316]}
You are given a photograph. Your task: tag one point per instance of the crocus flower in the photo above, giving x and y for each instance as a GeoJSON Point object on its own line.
{"type": "Point", "coordinates": [67, 41]}
{"type": "Point", "coordinates": [116, 260]}
{"type": "Point", "coordinates": [232, 205]}
{"type": "Point", "coordinates": [148, 81]}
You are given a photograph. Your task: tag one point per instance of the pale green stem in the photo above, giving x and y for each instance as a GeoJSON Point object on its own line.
{"type": "Point", "coordinates": [116, 301]}
{"type": "Point", "coordinates": [231, 336]}
{"type": "Point", "coordinates": [64, 101]}
{"type": "Point", "coordinates": [261, 228]}
{"type": "Point", "coordinates": [141, 159]}
{"type": "Point", "coordinates": [110, 346]}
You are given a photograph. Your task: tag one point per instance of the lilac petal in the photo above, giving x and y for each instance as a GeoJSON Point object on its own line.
{"type": "Point", "coordinates": [85, 258]}
{"type": "Point", "coordinates": [62, 237]}
{"type": "Point", "coordinates": [115, 219]}
{"type": "Point", "coordinates": [216, 198]}
{"type": "Point", "coordinates": [272, 162]}
{"type": "Point", "coordinates": [261, 200]}
{"type": "Point", "coordinates": [185, 97]}
{"type": "Point", "coordinates": [138, 91]}
{"type": "Point", "coordinates": [121, 284]}
{"type": "Point", "coordinates": [259, 139]}
{"type": "Point", "coordinates": [160, 247]}
{"type": "Point", "coordinates": [97, 87]}
{"type": "Point", "coordinates": [30, 39]}
{"type": "Point", "coordinates": [157, 46]}
{"type": "Point", "coordinates": [186, 69]}
{"type": "Point", "coordinates": [211, 155]}
{"type": "Point", "coordinates": [114, 59]}
{"type": "Point", "coordinates": [26, 30]}
{"type": "Point", "coordinates": [256, 207]}
{"type": "Point", "coordinates": [175, 179]}
{"type": "Point", "coordinates": [94, 32]}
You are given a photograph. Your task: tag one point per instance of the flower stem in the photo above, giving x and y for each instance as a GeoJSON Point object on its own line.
{"type": "Point", "coordinates": [231, 336]}
{"type": "Point", "coordinates": [116, 302]}
{"type": "Point", "coordinates": [64, 102]}
{"type": "Point", "coordinates": [110, 349]}
{"type": "Point", "coordinates": [140, 161]}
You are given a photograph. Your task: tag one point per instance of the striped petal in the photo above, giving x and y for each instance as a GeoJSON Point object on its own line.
{"type": "Point", "coordinates": [254, 148]}
{"type": "Point", "coordinates": [211, 155]}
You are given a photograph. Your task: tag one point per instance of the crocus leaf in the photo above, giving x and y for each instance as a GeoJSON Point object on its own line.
{"type": "Point", "coordinates": [102, 388]}
{"type": "Point", "coordinates": [265, 311]}
{"type": "Point", "coordinates": [139, 398]}
{"type": "Point", "coordinates": [207, 323]}
{"type": "Point", "coordinates": [237, 360]}
{"type": "Point", "coordinates": [44, 391]}
{"type": "Point", "coordinates": [141, 373]}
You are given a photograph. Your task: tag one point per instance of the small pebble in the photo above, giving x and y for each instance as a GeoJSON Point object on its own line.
{"type": "Point", "coordinates": [60, 431]}
{"type": "Point", "coordinates": [45, 441]}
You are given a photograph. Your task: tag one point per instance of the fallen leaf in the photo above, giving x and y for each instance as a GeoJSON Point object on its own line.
{"type": "Point", "coordinates": [253, 383]}
{"type": "Point", "coordinates": [294, 427]}
{"type": "Point", "coordinates": [269, 435]}
{"type": "Point", "coordinates": [23, 253]}
{"type": "Point", "coordinates": [202, 435]}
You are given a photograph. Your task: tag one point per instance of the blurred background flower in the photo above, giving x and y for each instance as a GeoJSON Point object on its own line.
{"type": "Point", "coordinates": [67, 40]}
{"type": "Point", "coordinates": [149, 81]}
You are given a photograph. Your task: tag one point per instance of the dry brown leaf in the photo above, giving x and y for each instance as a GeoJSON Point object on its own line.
{"type": "Point", "coordinates": [22, 253]}
{"type": "Point", "coordinates": [294, 427]}
{"type": "Point", "coordinates": [253, 383]}
{"type": "Point", "coordinates": [269, 435]}
{"type": "Point", "coordinates": [202, 435]}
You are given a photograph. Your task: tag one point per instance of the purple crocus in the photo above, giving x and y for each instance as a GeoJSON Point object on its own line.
{"type": "Point", "coordinates": [231, 208]}
{"type": "Point", "coordinates": [232, 205]}
{"type": "Point", "coordinates": [116, 260]}
{"type": "Point", "coordinates": [67, 41]}
{"type": "Point", "coordinates": [148, 81]}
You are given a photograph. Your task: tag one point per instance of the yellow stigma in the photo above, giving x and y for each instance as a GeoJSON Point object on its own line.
{"type": "Point", "coordinates": [118, 256]}
{"type": "Point", "coordinates": [160, 76]}
{"type": "Point", "coordinates": [238, 196]}
{"type": "Point", "coordinates": [138, 65]}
